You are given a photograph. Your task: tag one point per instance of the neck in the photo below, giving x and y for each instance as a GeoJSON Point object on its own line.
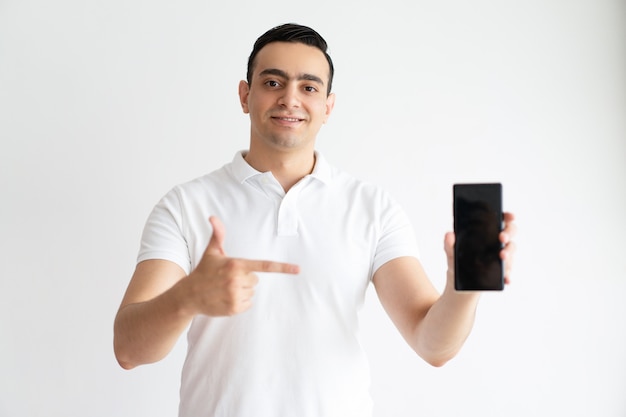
{"type": "Point", "coordinates": [287, 167]}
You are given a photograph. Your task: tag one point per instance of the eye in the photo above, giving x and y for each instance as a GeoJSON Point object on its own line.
{"type": "Point", "coordinates": [272, 83]}
{"type": "Point", "coordinates": [310, 89]}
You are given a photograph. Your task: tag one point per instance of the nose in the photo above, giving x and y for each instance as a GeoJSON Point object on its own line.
{"type": "Point", "coordinates": [290, 97]}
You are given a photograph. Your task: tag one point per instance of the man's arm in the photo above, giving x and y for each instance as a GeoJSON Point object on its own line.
{"type": "Point", "coordinates": [435, 326]}
{"type": "Point", "coordinates": [161, 301]}
{"type": "Point", "coordinates": [152, 314]}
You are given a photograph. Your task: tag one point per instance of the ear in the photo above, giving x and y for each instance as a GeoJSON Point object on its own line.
{"type": "Point", "coordinates": [244, 91]}
{"type": "Point", "coordinates": [330, 105]}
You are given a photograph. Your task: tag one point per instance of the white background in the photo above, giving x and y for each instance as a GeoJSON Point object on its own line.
{"type": "Point", "coordinates": [104, 105]}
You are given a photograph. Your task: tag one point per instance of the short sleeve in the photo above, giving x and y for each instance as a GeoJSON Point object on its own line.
{"type": "Point", "coordinates": [397, 237]}
{"type": "Point", "coordinates": [162, 236]}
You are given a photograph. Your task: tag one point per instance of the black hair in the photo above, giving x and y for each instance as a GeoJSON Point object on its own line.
{"type": "Point", "coordinates": [291, 32]}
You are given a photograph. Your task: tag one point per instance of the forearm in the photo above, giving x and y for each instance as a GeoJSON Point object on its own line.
{"type": "Point", "coordinates": [446, 326]}
{"type": "Point", "coordinates": [145, 332]}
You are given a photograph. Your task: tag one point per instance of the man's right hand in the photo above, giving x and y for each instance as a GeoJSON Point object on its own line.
{"type": "Point", "coordinates": [161, 301]}
{"type": "Point", "coordinates": [224, 286]}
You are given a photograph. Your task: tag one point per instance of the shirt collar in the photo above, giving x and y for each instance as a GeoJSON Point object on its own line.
{"type": "Point", "coordinates": [243, 171]}
{"type": "Point", "coordinates": [322, 170]}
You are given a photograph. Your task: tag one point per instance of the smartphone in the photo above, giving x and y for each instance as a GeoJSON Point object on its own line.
{"type": "Point", "coordinates": [478, 222]}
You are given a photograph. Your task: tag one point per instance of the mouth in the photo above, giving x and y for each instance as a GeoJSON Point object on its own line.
{"type": "Point", "coordinates": [286, 119]}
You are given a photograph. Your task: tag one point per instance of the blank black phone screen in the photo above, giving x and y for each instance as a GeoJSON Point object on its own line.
{"type": "Point", "coordinates": [477, 225]}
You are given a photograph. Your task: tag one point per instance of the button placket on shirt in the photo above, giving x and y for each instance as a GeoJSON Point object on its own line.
{"type": "Point", "coordinates": [287, 222]}
{"type": "Point", "coordinates": [288, 214]}
{"type": "Point", "coordinates": [287, 203]}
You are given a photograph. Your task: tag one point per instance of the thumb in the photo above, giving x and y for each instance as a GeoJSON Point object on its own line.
{"type": "Point", "coordinates": [215, 246]}
{"type": "Point", "coordinates": [448, 245]}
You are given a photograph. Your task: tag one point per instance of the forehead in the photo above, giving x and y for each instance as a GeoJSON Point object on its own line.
{"type": "Point", "coordinates": [292, 58]}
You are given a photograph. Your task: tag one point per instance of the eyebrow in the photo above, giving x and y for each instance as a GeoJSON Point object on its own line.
{"type": "Point", "coordinates": [300, 77]}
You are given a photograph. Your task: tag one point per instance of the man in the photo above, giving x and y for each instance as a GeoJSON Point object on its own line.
{"type": "Point", "coordinates": [272, 309]}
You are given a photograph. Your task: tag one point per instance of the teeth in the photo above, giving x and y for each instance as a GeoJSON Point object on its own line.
{"type": "Point", "coordinates": [289, 119]}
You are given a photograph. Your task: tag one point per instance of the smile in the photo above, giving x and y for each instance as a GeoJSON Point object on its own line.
{"type": "Point", "coordinates": [288, 119]}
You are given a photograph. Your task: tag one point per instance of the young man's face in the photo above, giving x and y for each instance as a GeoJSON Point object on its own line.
{"type": "Point", "coordinates": [287, 99]}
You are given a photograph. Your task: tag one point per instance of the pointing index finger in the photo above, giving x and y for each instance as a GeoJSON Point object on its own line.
{"type": "Point", "coordinates": [271, 266]}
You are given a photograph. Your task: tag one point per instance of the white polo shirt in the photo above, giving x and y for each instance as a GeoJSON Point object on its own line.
{"type": "Point", "coordinates": [296, 352]}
